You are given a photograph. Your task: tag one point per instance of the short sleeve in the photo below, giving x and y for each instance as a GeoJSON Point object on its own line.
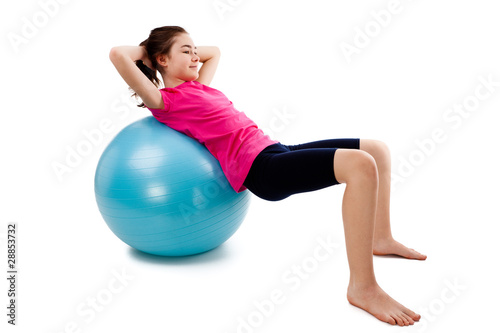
{"type": "Point", "coordinates": [167, 101]}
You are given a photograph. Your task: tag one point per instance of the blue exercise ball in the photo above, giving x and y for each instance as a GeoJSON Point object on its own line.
{"type": "Point", "coordinates": [162, 192]}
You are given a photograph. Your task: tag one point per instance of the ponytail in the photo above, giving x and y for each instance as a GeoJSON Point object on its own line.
{"type": "Point", "coordinates": [150, 73]}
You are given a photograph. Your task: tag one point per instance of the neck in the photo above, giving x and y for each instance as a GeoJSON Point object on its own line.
{"type": "Point", "coordinates": [169, 82]}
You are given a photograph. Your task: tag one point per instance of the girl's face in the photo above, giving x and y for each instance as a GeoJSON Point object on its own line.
{"type": "Point", "coordinates": [183, 61]}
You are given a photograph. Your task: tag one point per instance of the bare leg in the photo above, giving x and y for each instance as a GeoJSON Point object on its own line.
{"type": "Point", "coordinates": [384, 243]}
{"type": "Point", "coordinates": [358, 170]}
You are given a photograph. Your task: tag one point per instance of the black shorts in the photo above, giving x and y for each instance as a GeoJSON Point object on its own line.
{"type": "Point", "coordinates": [280, 171]}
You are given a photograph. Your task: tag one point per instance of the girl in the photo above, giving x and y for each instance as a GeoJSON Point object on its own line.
{"type": "Point", "coordinates": [269, 169]}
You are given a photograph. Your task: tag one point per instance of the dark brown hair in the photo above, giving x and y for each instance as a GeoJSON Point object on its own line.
{"type": "Point", "coordinates": [159, 42]}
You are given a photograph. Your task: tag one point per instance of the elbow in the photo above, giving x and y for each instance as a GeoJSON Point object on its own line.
{"type": "Point", "coordinates": [216, 51]}
{"type": "Point", "coordinates": [114, 54]}
{"type": "Point", "coordinates": [213, 52]}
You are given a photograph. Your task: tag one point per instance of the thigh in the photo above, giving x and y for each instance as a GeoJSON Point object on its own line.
{"type": "Point", "coordinates": [330, 143]}
{"type": "Point", "coordinates": [277, 176]}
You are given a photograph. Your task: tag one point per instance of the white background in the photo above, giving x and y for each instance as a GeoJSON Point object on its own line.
{"type": "Point", "coordinates": [278, 57]}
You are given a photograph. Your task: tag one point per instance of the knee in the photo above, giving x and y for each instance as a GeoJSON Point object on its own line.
{"type": "Point", "coordinates": [381, 147]}
{"type": "Point", "coordinates": [366, 166]}
{"type": "Point", "coordinates": [378, 149]}
{"type": "Point", "coordinates": [383, 150]}
{"type": "Point", "coordinates": [363, 168]}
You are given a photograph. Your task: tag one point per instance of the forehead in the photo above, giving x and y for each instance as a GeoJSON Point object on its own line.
{"type": "Point", "coordinates": [184, 39]}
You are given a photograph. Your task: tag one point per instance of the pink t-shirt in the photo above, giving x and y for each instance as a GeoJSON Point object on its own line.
{"type": "Point", "coordinates": [207, 115]}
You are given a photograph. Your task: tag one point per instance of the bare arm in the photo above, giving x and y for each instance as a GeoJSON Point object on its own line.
{"type": "Point", "coordinates": [123, 58]}
{"type": "Point", "coordinates": [209, 56]}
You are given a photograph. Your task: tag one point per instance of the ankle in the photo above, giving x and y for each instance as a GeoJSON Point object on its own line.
{"type": "Point", "coordinates": [362, 285]}
{"type": "Point", "coordinates": [382, 238]}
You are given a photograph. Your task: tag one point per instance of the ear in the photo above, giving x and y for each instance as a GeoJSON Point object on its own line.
{"type": "Point", "coordinates": [162, 60]}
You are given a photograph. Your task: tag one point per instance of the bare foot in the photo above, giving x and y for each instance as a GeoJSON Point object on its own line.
{"type": "Point", "coordinates": [390, 246]}
{"type": "Point", "coordinates": [376, 302]}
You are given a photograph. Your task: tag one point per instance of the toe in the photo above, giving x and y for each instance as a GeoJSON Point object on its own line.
{"type": "Point", "coordinates": [418, 255]}
{"type": "Point", "coordinates": [398, 319]}
{"type": "Point", "coordinates": [403, 320]}
{"type": "Point", "coordinates": [408, 319]}
{"type": "Point", "coordinates": [414, 316]}
{"type": "Point", "coordinates": [389, 319]}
